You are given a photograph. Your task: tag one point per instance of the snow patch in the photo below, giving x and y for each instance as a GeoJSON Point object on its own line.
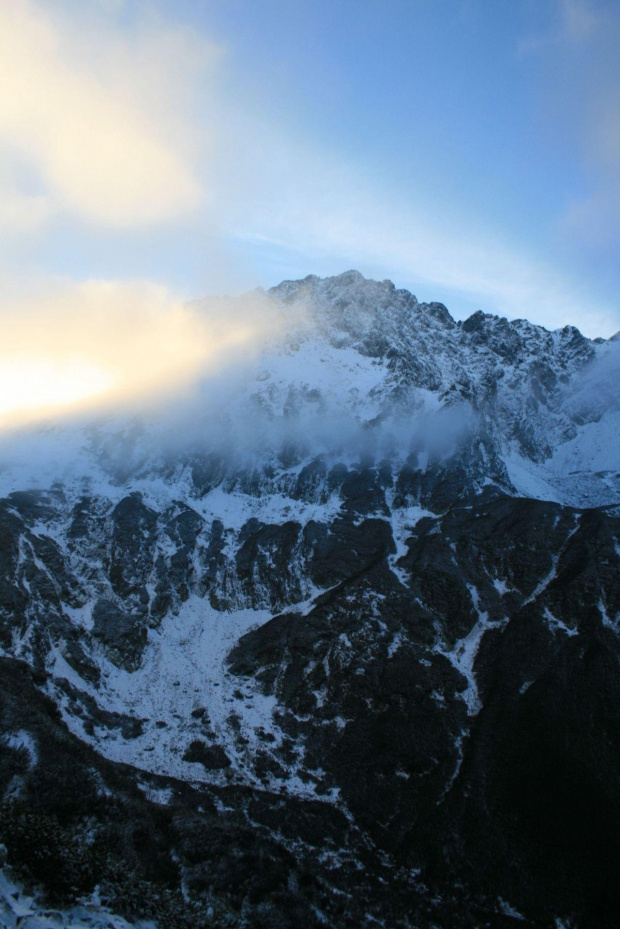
{"type": "Point", "coordinates": [184, 670]}
{"type": "Point", "coordinates": [403, 521]}
{"type": "Point", "coordinates": [607, 621]}
{"type": "Point", "coordinates": [556, 625]}
{"type": "Point", "coordinates": [183, 693]}
{"type": "Point", "coordinates": [23, 740]}
{"type": "Point", "coordinates": [463, 654]}
{"type": "Point", "coordinates": [554, 565]}
{"type": "Point", "coordinates": [501, 586]}
{"type": "Point", "coordinates": [509, 910]}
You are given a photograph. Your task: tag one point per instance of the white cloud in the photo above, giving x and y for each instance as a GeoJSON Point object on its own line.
{"type": "Point", "coordinates": [579, 19]}
{"type": "Point", "coordinates": [100, 113]}
{"type": "Point", "coordinates": [325, 209]}
{"type": "Point", "coordinates": [21, 212]}
{"type": "Point", "coordinates": [574, 22]}
{"type": "Point", "coordinates": [581, 68]}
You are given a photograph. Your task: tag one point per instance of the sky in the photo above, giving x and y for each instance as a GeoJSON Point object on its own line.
{"type": "Point", "coordinates": [156, 152]}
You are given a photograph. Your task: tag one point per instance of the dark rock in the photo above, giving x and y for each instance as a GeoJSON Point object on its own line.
{"type": "Point", "coordinates": [211, 757]}
{"type": "Point", "coordinates": [123, 634]}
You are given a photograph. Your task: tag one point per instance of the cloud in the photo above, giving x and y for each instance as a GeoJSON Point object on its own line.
{"type": "Point", "coordinates": [98, 103]}
{"type": "Point", "coordinates": [574, 22]}
{"type": "Point", "coordinates": [579, 18]}
{"type": "Point", "coordinates": [327, 211]}
{"type": "Point", "coordinates": [21, 212]}
{"type": "Point", "coordinates": [595, 391]}
{"type": "Point", "coordinates": [203, 381]}
{"type": "Point", "coordinates": [69, 345]}
{"type": "Point", "coordinates": [595, 219]}
{"type": "Point", "coordinates": [581, 77]}
{"type": "Point", "coordinates": [594, 223]}
{"type": "Point", "coordinates": [101, 114]}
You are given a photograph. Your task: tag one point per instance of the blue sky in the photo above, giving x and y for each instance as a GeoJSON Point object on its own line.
{"type": "Point", "coordinates": [468, 150]}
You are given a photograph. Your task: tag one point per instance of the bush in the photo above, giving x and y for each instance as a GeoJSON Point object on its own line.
{"type": "Point", "coordinates": [63, 859]}
{"type": "Point", "coordinates": [69, 861]}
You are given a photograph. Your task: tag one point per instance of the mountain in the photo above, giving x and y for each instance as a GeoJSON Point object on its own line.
{"type": "Point", "coordinates": [332, 641]}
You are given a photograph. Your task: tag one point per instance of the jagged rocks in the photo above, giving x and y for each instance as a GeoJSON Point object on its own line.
{"type": "Point", "coordinates": [344, 655]}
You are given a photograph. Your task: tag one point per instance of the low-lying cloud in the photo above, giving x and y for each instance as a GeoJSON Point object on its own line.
{"type": "Point", "coordinates": [233, 423]}
{"type": "Point", "coordinates": [596, 390]}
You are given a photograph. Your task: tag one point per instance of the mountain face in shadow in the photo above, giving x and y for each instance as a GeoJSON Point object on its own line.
{"type": "Point", "coordinates": [333, 642]}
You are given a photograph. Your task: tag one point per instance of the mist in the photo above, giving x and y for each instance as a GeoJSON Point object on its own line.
{"type": "Point", "coordinates": [596, 390]}
{"type": "Point", "coordinates": [165, 385]}
{"type": "Point", "coordinates": [227, 420]}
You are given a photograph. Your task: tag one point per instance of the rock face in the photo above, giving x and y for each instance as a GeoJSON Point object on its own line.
{"type": "Point", "coordinates": [338, 647]}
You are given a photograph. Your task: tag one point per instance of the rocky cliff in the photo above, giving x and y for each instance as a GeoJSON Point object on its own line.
{"type": "Point", "coordinates": [336, 641]}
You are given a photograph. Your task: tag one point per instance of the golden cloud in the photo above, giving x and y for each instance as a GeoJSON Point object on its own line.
{"type": "Point", "coordinates": [106, 343]}
{"type": "Point", "coordinates": [101, 114]}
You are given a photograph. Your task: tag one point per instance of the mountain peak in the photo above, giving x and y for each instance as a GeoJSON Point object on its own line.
{"type": "Point", "coordinates": [319, 635]}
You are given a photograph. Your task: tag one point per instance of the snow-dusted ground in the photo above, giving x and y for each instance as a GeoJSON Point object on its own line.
{"type": "Point", "coordinates": [584, 472]}
{"type": "Point", "coordinates": [462, 655]}
{"type": "Point", "coordinates": [184, 671]}
{"type": "Point", "coordinates": [403, 521]}
{"type": "Point", "coordinates": [24, 908]}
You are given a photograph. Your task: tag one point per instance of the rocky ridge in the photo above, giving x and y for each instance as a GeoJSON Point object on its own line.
{"type": "Point", "coordinates": [360, 613]}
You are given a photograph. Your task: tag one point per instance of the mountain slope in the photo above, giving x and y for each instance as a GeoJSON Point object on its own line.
{"type": "Point", "coordinates": [362, 594]}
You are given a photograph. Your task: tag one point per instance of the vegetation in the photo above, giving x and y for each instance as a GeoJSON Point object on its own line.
{"type": "Point", "coordinates": [70, 861]}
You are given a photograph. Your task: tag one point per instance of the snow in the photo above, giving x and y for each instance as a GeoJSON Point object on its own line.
{"type": "Point", "coordinates": [402, 521]}
{"type": "Point", "coordinates": [501, 586]}
{"type": "Point", "coordinates": [60, 668]}
{"type": "Point", "coordinates": [395, 644]}
{"type": "Point", "coordinates": [556, 625]}
{"type": "Point", "coordinates": [235, 509]}
{"type": "Point", "coordinates": [339, 371]}
{"type": "Point", "coordinates": [509, 910]}
{"type": "Point", "coordinates": [459, 746]}
{"type": "Point", "coordinates": [304, 607]}
{"type": "Point", "coordinates": [160, 795]}
{"type": "Point", "coordinates": [531, 480]}
{"type": "Point", "coordinates": [596, 447]}
{"type": "Point", "coordinates": [21, 909]}
{"type": "Point", "coordinates": [544, 583]}
{"type": "Point", "coordinates": [582, 472]}
{"type": "Point", "coordinates": [462, 655]}
{"type": "Point", "coordinates": [183, 670]}
{"type": "Point", "coordinates": [605, 617]}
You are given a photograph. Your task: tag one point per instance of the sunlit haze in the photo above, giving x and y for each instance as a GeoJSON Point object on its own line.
{"type": "Point", "coordinates": [39, 385]}
{"type": "Point", "coordinates": [98, 343]}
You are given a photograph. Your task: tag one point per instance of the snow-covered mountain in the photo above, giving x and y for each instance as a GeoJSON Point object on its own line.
{"type": "Point", "coordinates": [349, 613]}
